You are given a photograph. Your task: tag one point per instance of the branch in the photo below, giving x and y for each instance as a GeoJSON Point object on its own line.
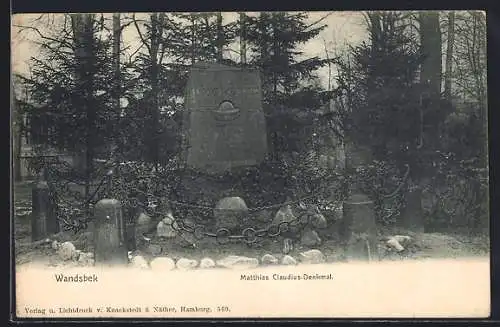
{"type": "Point", "coordinates": [232, 50]}
{"type": "Point", "coordinates": [137, 50]}
{"type": "Point", "coordinates": [125, 25]}
{"type": "Point", "coordinates": [318, 21]}
{"type": "Point", "coordinates": [22, 27]}
{"type": "Point", "coordinates": [140, 34]}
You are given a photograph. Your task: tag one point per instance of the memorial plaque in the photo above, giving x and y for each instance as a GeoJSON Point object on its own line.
{"type": "Point", "coordinates": [225, 124]}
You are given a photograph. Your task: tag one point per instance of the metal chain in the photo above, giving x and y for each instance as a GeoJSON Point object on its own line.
{"type": "Point", "coordinates": [77, 224]}
{"type": "Point", "coordinates": [313, 194]}
{"type": "Point", "coordinates": [249, 235]}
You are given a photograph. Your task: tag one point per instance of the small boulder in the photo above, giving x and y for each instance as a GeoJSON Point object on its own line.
{"type": "Point", "coordinates": [268, 259]}
{"type": "Point", "coordinates": [312, 257]}
{"type": "Point", "coordinates": [86, 258]}
{"type": "Point", "coordinates": [310, 238]}
{"type": "Point", "coordinates": [162, 263]}
{"type": "Point", "coordinates": [230, 212]}
{"type": "Point", "coordinates": [288, 261]}
{"type": "Point", "coordinates": [207, 263]}
{"type": "Point", "coordinates": [76, 255]}
{"type": "Point", "coordinates": [143, 226]}
{"type": "Point", "coordinates": [164, 227]}
{"type": "Point", "coordinates": [55, 245]}
{"type": "Point", "coordinates": [263, 216]}
{"type": "Point", "coordinates": [67, 251]}
{"type": "Point", "coordinates": [404, 240]}
{"type": "Point", "coordinates": [139, 262]}
{"type": "Point", "coordinates": [238, 262]}
{"type": "Point", "coordinates": [143, 219]}
{"type": "Point", "coordinates": [318, 221]}
{"type": "Point", "coordinates": [285, 214]}
{"type": "Point", "coordinates": [186, 264]}
{"type": "Point", "coordinates": [393, 243]}
{"type": "Point", "coordinates": [154, 249]}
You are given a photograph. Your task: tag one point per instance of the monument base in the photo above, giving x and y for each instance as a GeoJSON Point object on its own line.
{"type": "Point", "coordinates": [359, 228]}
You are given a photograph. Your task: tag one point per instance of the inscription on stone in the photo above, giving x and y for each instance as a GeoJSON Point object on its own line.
{"type": "Point", "coordinates": [227, 93]}
{"type": "Point", "coordinates": [224, 119]}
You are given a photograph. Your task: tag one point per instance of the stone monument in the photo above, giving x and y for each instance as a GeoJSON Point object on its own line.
{"type": "Point", "coordinates": [224, 124]}
{"type": "Point", "coordinates": [224, 133]}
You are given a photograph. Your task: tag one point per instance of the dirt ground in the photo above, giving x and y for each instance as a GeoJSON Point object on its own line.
{"type": "Point", "coordinates": [425, 245]}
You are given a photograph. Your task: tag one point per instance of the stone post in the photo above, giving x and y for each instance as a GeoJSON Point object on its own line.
{"type": "Point", "coordinates": [43, 219]}
{"type": "Point", "coordinates": [412, 215]}
{"type": "Point", "coordinates": [359, 228]}
{"type": "Point", "coordinates": [109, 234]}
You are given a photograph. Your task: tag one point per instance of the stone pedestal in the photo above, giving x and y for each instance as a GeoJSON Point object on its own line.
{"type": "Point", "coordinates": [412, 216]}
{"type": "Point", "coordinates": [359, 228]}
{"type": "Point", "coordinates": [109, 234]}
{"type": "Point", "coordinates": [43, 218]}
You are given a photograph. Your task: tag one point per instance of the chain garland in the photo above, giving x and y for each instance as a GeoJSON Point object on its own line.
{"type": "Point", "coordinates": [249, 235]}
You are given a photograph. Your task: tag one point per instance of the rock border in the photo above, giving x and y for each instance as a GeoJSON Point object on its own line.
{"type": "Point", "coordinates": [68, 253]}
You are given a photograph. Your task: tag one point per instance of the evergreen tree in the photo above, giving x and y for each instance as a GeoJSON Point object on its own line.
{"type": "Point", "coordinates": [201, 37]}
{"type": "Point", "coordinates": [272, 43]}
{"type": "Point", "coordinates": [171, 44]}
{"type": "Point", "coordinates": [70, 87]}
{"type": "Point", "coordinates": [386, 112]}
{"type": "Point", "coordinates": [273, 39]}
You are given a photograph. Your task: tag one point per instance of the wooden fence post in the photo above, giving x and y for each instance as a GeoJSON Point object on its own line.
{"type": "Point", "coordinates": [109, 234]}
{"type": "Point", "coordinates": [43, 219]}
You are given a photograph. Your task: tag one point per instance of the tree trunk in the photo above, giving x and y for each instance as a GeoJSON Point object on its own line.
{"type": "Point", "coordinates": [193, 39]}
{"type": "Point", "coordinates": [16, 134]}
{"type": "Point", "coordinates": [83, 37]}
{"type": "Point", "coordinates": [243, 44]}
{"type": "Point", "coordinates": [154, 109]}
{"type": "Point", "coordinates": [116, 63]}
{"type": "Point", "coordinates": [220, 38]}
{"type": "Point", "coordinates": [430, 38]}
{"type": "Point", "coordinates": [275, 48]}
{"type": "Point", "coordinates": [449, 55]}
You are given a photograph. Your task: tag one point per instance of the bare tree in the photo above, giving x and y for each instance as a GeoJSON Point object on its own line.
{"type": "Point", "coordinates": [469, 57]}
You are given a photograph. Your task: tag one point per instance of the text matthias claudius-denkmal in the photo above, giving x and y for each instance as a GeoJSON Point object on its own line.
{"type": "Point", "coordinates": [284, 277]}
